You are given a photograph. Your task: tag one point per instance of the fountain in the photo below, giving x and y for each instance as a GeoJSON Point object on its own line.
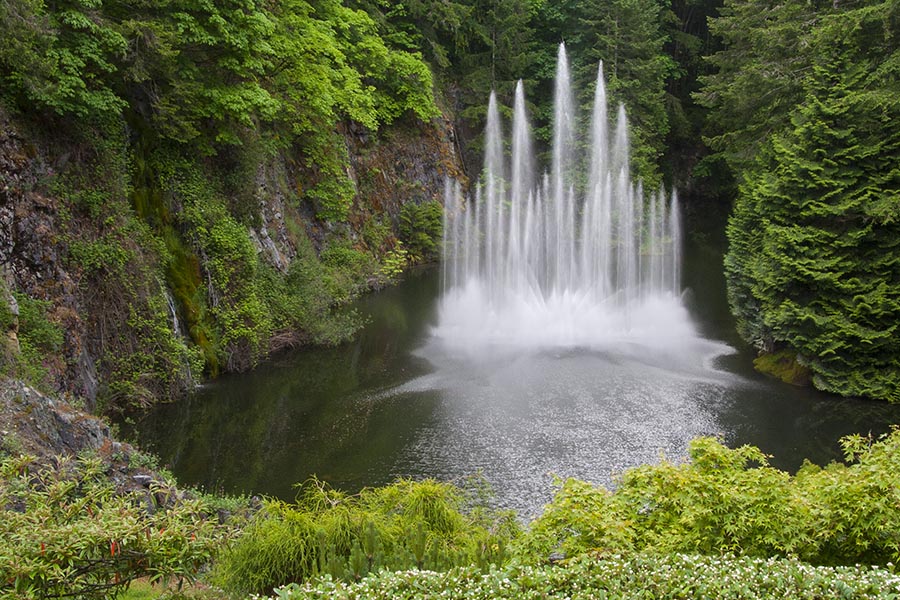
{"type": "Point", "coordinates": [577, 258]}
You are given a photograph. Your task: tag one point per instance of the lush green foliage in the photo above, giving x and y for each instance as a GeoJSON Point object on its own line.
{"type": "Point", "coordinates": [64, 532]}
{"type": "Point", "coordinates": [403, 525]}
{"type": "Point", "coordinates": [801, 99]}
{"type": "Point", "coordinates": [814, 235]}
{"type": "Point", "coordinates": [731, 501]}
{"type": "Point", "coordinates": [421, 227]}
{"type": "Point", "coordinates": [481, 45]}
{"type": "Point", "coordinates": [245, 301]}
{"type": "Point", "coordinates": [61, 57]}
{"type": "Point", "coordinates": [211, 75]}
{"type": "Point", "coordinates": [723, 502]}
{"type": "Point", "coordinates": [628, 36]}
{"type": "Point", "coordinates": [758, 74]}
{"type": "Point", "coordinates": [208, 72]}
{"type": "Point", "coordinates": [395, 262]}
{"type": "Point", "coordinates": [723, 525]}
{"type": "Point", "coordinates": [39, 338]}
{"type": "Point", "coordinates": [623, 577]}
{"type": "Point", "coordinates": [169, 118]}
{"type": "Point", "coordinates": [117, 256]}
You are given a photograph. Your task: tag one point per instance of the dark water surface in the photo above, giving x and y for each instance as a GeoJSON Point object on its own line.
{"type": "Point", "coordinates": [393, 404]}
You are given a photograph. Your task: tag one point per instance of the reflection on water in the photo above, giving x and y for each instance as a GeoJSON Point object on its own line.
{"type": "Point", "coordinates": [394, 403]}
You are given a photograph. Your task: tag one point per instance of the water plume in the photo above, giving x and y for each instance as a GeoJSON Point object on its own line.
{"type": "Point", "coordinates": [579, 257]}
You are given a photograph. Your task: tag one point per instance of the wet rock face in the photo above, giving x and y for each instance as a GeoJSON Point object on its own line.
{"type": "Point", "coordinates": [407, 163]}
{"type": "Point", "coordinates": [35, 424]}
{"type": "Point", "coordinates": [43, 228]}
{"type": "Point", "coordinates": [32, 252]}
{"type": "Point", "coordinates": [46, 428]}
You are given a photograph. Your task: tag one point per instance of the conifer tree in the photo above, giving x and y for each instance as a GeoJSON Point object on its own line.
{"type": "Point", "coordinates": [814, 262]}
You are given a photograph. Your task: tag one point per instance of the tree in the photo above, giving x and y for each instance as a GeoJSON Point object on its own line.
{"type": "Point", "coordinates": [61, 57]}
{"type": "Point", "coordinates": [689, 41]}
{"type": "Point", "coordinates": [758, 74]}
{"type": "Point", "coordinates": [814, 262]}
{"type": "Point", "coordinates": [628, 36]}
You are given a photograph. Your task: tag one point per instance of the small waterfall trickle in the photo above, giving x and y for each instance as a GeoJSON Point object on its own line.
{"type": "Point", "coordinates": [539, 262]}
{"type": "Point", "coordinates": [173, 313]}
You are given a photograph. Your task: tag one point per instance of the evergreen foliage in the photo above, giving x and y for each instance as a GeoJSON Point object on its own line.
{"type": "Point", "coordinates": [420, 228]}
{"type": "Point", "coordinates": [813, 263]}
{"type": "Point", "coordinates": [758, 73]}
{"type": "Point", "coordinates": [800, 99]}
{"type": "Point", "coordinates": [628, 36]}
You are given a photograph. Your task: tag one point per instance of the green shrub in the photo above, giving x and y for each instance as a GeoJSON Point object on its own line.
{"type": "Point", "coordinates": [377, 234]}
{"type": "Point", "coordinates": [406, 524]}
{"type": "Point", "coordinates": [420, 227]}
{"type": "Point", "coordinates": [303, 301]}
{"type": "Point", "coordinates": [395, 262]}
{"type": "Point", "coordinates": [636, 577]}
{"type": "Point", "coordinates": [39, 338]}
{"type": "Point", "coordinates": [35, 329]}
{"type": "Point", "coordinates": [731, 501]}
{"type": "Point", "coordinates": [346, 270]}
{"type": "Point", "coordinates": [64, 532]}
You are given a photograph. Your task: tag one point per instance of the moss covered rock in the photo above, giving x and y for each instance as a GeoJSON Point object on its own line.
{"type": "Point", "coordinates": [783, 364]}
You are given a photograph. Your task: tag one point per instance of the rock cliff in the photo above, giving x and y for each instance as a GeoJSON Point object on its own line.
{"type": "Point", "coordinates": [157, 275]}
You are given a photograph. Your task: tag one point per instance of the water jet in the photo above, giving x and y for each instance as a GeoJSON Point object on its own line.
{"type": "Point", "coordinates": [580, 257]}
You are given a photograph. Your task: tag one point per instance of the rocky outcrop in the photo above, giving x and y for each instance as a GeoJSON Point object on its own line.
{"type": "Point", "coordinates": [46, 429]}
{"type": "Point", "coordinates": [32, 254]}
{"type": "Point", "coordinates": [107, 278]}
{"type": "Point", "coordinates": [406, 163]}
{"type": "Point", "coordinates": [35, 424]}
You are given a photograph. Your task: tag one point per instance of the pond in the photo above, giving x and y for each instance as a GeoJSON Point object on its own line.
{"type": "Point", "coordinates": [393, 404]}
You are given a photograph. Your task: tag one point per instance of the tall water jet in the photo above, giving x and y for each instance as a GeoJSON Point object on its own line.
{"type": "Point", "coordinates": [571, 259]}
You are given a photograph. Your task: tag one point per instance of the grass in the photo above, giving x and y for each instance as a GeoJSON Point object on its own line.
{"type": "Point", "coordinates": [142, 589]}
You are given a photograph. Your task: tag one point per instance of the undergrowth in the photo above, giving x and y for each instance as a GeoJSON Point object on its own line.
{"type": "Point", "coordinates": [408, 524]}
{"type": "Point", "coordinates": [731, 501]}
{"type": "Point", "coordinates": [723, 524]}
{"type": "Point", "coordinates": [713, 525]}
{"type": "Point", "coordinates": [66, 532]}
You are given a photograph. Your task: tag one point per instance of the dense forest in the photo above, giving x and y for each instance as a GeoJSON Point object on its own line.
{"type": "Point", "coordinates": [191, 186]}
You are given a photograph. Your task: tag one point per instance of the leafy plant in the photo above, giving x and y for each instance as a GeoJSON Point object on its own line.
{"type": "Point", "coordinates": [406, 524]}
{"type": "Point", "coordinates": [730, 501]}
{"type": "Point", "coordinates": [395, 261]}
{"type": "Point", "coordinates": [420, 227]}
{"type": "Point", "coordinates": [39, 340]}
{"type": "Point", "coordinates": [65, 532]}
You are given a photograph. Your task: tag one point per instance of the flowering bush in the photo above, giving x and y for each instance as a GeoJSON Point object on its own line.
{"type": "Point", "coordinates": [66, 533]}
{"type": "Point", "coordinates": [639, 576]}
